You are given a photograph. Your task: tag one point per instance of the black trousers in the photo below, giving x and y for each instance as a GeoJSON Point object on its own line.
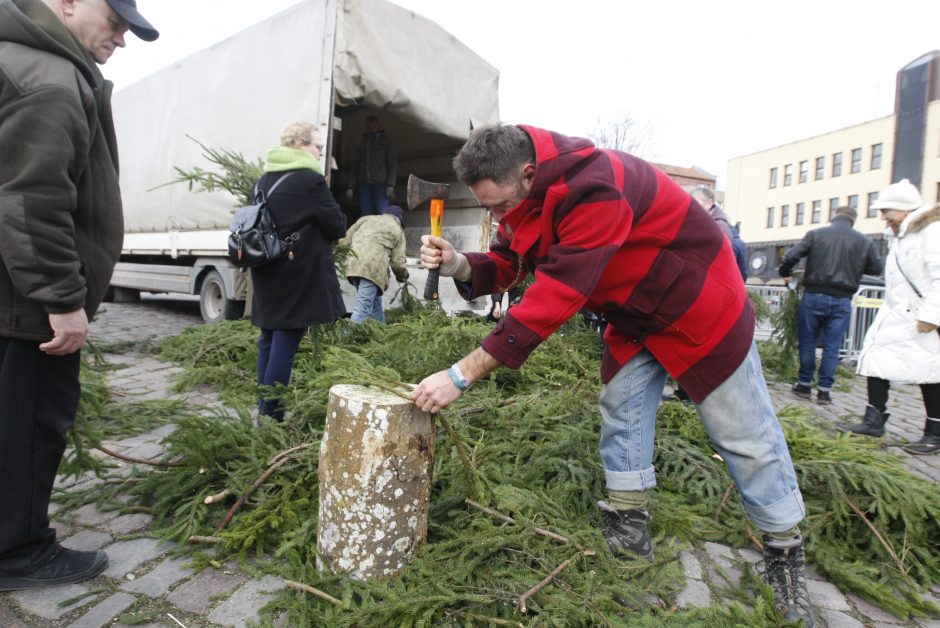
{"type": "Point", "coordinates": [38, 401]}
{"type": "Point", "coordinates": [878, 397]}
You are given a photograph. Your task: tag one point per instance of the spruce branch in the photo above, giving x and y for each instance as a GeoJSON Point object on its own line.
{"type": "Point", "coordinates": [306, 588]}
{"type": "Point", "coordinates": [251, 489]}
{"type": "Point", "coordinates": [881, 539]}
{"type": "Point", "coordinates": [126, 458]}
{"type": "Point", "coordinates": [524, 598]}
{"type": "Point", "coordinates": [586, 551]}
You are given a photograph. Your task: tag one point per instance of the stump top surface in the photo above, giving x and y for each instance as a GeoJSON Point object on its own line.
{"type": "Point", "coordinates": [367, 394]}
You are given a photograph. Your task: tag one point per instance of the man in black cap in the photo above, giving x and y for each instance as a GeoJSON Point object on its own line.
{"type": "Point", "coordinates": [61, 228]}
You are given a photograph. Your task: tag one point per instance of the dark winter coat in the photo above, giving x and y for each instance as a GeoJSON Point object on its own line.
{"type": "Point", "coordinates": [836, 258]}
{"type": "Point", "coordinates": [376, 161]}
{"type": "Point", "coordinates": [61, 224]}
{"type": "Point", "coordinates": [293, 294]}
{"type": "Point", "coordinates": [606, 231]}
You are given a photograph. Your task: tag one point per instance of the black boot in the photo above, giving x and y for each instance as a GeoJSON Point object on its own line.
{"type": "Point", "coordinates": [627, 532]}
{"type": "Point", "coordinates": [785, 573]}
{"type": "Point", "coordinates": [873, 423]}
{"type": "Point", "coordinates": [928, 444]}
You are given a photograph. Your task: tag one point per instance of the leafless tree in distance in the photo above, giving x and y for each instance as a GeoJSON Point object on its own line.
{"type": "Point", "coordinates": [622, 132]}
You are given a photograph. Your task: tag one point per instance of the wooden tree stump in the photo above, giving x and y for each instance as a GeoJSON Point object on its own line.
{"type": "Point", "coordinates": [376, 459]}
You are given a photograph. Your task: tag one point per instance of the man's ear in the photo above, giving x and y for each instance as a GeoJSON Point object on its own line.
{"type": "Point", "coordinates": [67, 6]}
{"type": "Point", "coordinates": [528, 175]}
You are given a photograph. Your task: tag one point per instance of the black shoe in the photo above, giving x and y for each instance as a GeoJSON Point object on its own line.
{"type": "Point", "coordinates": [67, 567]}
{"type": "Point", "coordinates": [873, 423]}
{"type": "Point", "coordinates": [785, 573]}
{"type": "Point", "coordinates": [928, 444]}
{"type": "Point", "coordinates": [823, 398]}
{"type": "Point", "coordinates": [802, 390]}
{"type": "Point", "coordinates": [627, 533]}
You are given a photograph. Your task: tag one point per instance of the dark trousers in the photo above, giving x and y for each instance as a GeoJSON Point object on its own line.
{"type": "Point", "coordinates": [827, 316]}
{"type": "Point", "coordinates": [38, 401]}
{"type": "Point", "coordinates": [276, 349]}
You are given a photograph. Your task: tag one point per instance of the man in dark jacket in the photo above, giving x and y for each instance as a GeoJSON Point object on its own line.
{"type": "Point", "coordinates": [606, 231]}
{"type": "Point", "coordinates": [376, 169]}
{"type": "Point", "coordinates": [61, 229]}
{"type": "Point", "coordinates": [836, 258]}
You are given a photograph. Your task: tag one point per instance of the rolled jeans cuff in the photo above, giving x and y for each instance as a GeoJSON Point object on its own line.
{"type": "Point", "coordinates": [641, 480]}
{"type": "Point", "coordinates": [777, 517]}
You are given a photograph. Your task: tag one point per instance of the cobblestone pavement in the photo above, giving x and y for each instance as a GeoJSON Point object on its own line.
{"type": "Point", "coordinates": [142, 570]}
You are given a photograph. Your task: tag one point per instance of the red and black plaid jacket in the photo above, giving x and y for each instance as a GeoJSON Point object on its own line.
{"type": "Point", "coordinates": [605, 230]}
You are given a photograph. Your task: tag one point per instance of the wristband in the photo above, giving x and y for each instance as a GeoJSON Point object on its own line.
{"type": "Point", "coordinates": [456, 376]}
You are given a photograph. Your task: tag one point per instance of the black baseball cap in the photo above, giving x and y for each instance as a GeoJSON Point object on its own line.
{"type": "Point", "coordinates": [127, 9]}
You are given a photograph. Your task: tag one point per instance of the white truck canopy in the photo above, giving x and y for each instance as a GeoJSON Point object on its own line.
{"type": "Point", "coordinates": [306, 63]}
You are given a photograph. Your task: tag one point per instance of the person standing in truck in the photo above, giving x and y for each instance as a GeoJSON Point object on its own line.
{"type": "Point", "coordinates": [296, 291]}
{"type": "Point", "coordinates": [376, 170]}
{"type": "Point", "coordinates": [61, 228]}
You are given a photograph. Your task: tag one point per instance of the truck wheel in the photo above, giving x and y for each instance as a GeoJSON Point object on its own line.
{"type": "Point", "coordinates": [213, 304]}
{"type": "Point", "coordinates": [124, 295]}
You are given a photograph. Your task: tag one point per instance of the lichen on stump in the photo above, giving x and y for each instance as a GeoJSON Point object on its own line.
{"type": "Point", "coordinates": [376, 458]}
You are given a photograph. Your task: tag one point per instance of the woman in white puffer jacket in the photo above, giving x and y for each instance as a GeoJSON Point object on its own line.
{"type": "Point", "coordinates": [903, 343]}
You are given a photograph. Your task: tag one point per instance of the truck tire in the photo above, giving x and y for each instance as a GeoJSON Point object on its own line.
{"type": "Point", "coordinates": [123, 295]}
{"type": "Point", "coordinates": [213, 304]}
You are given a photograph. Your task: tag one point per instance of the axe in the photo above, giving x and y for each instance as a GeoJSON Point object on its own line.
{"type": "Point", "coordinates": [418, 192]}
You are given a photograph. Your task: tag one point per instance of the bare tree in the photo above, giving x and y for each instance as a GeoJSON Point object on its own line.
{"type": "Point", "coordinates": [622, 132]}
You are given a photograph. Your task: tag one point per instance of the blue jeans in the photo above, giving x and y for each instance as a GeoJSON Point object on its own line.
{"type": "Point", "coordinates": [276, 350]}
{"type": "Point", "coordinates": [738, 417]}
{"type": "Point", "coordinates": [828, 315]}
{"type": "Point", "coordinates": [372, 199]}
{"type": "Point", "coordinates": [368, 301]}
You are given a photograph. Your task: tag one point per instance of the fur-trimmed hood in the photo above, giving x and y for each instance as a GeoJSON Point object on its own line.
{"type": "Point", "coordinates": [919, 219]}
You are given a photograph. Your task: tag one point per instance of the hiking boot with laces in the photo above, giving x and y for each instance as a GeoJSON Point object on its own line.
{"type": "Point", "coordinates": [627, 532]}
{"type": "Point", "coordinates": [785, 573]}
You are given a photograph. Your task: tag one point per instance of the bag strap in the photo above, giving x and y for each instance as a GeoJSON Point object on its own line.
{"type": "Point", "coordinates": [904, 274]}
{"type": "Point", "coordinates": [259, 193]}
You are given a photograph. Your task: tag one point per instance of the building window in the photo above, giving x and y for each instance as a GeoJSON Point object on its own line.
{"type": "Point", "coordinates": [770, 217]}
{"type": "Point", "coordinates": [804, 171]}
{"type": "Point", "coordinates": [837, 165]}
{"type": "Point", "coordinates": [872, 197]}
{"type": "Point", "coordinates": [788, 174]}
{"type": "Point", "coordinates": [817, 212]}
{"type": "Point", "coordinates": [800, 214]}
{"type": "Point", "coordinates": [856, 160]}
{"type": "Point", "coordinates": [773, 178]}
{"type": "Point", "coordinates": [820, 168]}
{"type": "Point", "coordinates": [833, 204]}
{"type": "Point", "coordinates": [853, 200]}
{"type": "Point", "coordinates": [876, 150]}
{"type": "Point", "coordinates": [938, 192]}
{"type": "Point", "coordinates": [784, 215]}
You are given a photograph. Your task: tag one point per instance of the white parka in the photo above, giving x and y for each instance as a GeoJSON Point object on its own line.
{"type": "Point", "coordinates": [894, 350]}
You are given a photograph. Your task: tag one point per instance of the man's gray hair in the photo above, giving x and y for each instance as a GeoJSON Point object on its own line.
{"type": "Point", "coordinates": [846, 210]}
{"type": "Point", "coordinates": [494, 152]}
{"type": "Point", "coordinates": [703, 191]}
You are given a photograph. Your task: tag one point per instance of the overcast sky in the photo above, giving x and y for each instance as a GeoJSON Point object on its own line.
{"type": "Point", "coordinates": [713, 80]}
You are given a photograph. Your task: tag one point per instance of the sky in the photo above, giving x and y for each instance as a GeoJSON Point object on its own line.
{"type": "Point", "coordinates": [710, 80]}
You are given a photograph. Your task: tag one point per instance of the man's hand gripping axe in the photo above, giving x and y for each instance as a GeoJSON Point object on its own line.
{"type": "Point", "coordinates": [418, 192]}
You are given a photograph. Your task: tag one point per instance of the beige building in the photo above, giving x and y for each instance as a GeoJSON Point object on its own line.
{"type": "Point", "coordinates": [780, 193]}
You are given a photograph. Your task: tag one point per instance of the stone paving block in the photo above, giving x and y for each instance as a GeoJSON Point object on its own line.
{"type": "Point", "coordinates": [695, 595]}
{"type": "Point", "coordinates": [245, 603]}
{"type": "Point", "coordinates": [163, 431]}
{"type": "Point", "coordinates": [872, 612]}
{"type": "Point", "coordinates": [835, 619]}
{"type": "Point", "coordinates": [125, 524]}
{"type": "Point", "coordinates": [826, 595]}
{"type": "Point", "coordinates": [62, 530]}
{"type": "Point", "coordinates": [9, 620]}
{"type": "Point", "coordinates": [690, 565]}
{"type": "Point", "coordinates": [90, 515]}
{"type": "Point", "coordinates": [87, 540]}
{"type": "Point", "coordinates": [145, 451]}
{"type": "Point", "coordinates": [125, 556]}
{"type": "Point", "coordinates": [197, 595]}
{"type": "Point", "coordinates": [750, 556]}
{"type": "Point", "coordinates": [159, 580]}
{"type": "Point", "coordinates": [45, 602]}
{"type": "Point", "coordinates": [930, 623]}
{"type": "Point", "coordinates": [103, 613]}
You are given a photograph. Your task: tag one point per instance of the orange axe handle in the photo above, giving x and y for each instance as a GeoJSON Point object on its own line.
{"type": "Point", "coordinates": [437, 230]}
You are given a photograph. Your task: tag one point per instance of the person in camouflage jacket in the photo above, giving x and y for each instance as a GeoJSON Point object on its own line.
{"type": "Point", "coordinates": [375, 242]}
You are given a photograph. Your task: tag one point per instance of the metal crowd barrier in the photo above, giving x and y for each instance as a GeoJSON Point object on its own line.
{"type": "Point", "coordinates": [865, 304]}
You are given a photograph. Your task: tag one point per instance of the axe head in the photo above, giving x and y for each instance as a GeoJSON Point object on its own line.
{"type": "Point", "coordinates": [420, 191]}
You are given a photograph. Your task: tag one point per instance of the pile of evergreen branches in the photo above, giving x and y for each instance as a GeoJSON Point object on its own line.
{"type": "Point", "coordinates": [523, 443]}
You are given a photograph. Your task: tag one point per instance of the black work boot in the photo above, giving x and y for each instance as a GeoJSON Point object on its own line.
{"type": "Point", "coordinates": [873, 423]}
{"type": "Point", "coordinates": [785, 573]}
{"type": "Point", "coordinates": [68, 566]}
{"type": "Point", "coordinates": [802, 390]}
{"type": "Point", "coordinates": [928, 444]}
{"type": "Point", "coordinates": [627, 532]}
